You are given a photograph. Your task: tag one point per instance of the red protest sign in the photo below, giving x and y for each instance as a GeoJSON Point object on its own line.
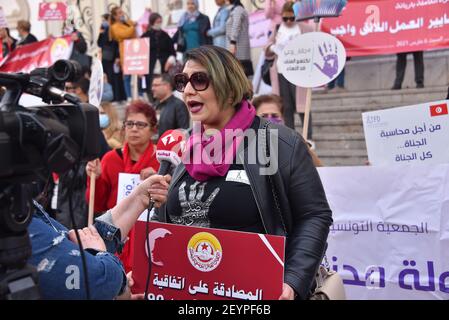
{"type": "Point", "coordinates": [136, 56]}
{"type": "Point", "coordinates": [40, 54]}
{"type": "Point", "coordinates": [53, 11]}
{"type": "Point", "coordinates": [438, 110]}
{"type": "Point", "coordinates": [208, 264]}
{"type": "Point", "coordinates": [375, 27]}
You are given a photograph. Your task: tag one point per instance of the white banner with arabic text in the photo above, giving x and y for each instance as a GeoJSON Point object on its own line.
{"type": "Point", "coordinates": [390, 236]}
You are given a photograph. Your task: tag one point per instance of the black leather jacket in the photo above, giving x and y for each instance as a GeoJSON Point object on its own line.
{"type": "Point", "coordinates": [306, 217]}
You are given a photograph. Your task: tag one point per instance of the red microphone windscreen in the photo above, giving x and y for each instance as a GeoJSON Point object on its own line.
{"type": "Point", "coordinates": [170, 146]}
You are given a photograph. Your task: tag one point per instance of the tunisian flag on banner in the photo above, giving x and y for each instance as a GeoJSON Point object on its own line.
{"type": "Point", "coordinates": [393, 26]}
{"type": "Point", "coordinates": [40, 54]}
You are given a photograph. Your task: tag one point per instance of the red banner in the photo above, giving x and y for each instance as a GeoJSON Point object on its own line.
{"type": "Point", "coordinates": [53, 11]}
{"type": "Point", "coordinates": [40, 54]}
{"type": "Point", "coordinates": [393, 26]}
{"type": "Point", "coordinates": [208, 264]}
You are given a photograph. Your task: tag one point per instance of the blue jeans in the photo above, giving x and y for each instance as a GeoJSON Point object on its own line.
{"type": "Point", "coordinates": [127, 85]}
{"type": "Point", "coordinates": [59, 265]}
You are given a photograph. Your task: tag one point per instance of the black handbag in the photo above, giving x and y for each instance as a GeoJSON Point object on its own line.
{"type": "Point", "coordinates": [180, 41]}
{"type": "Point", "coordinates": [268, 63]}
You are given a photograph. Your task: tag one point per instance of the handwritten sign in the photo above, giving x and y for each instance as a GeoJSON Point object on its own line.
{"type": "Point", "coordinates": [207, 264]}
{"type": "Point", "coordinates": [312, 59]}
{"type": "Point", "coordinates": [408, 135]}
{"type": "Point", "coordinates": [96, 83]}
{"type": "Point", "coordinates": [137, 56]}
{"type": "Point", "coordinates": [259, 28]}
{"type": "Point", "coordinates": [390, 228]}
{"type": "Point", "coordinates": [53, 11]}
{"type": "Point", "coordinates": [3, 21]}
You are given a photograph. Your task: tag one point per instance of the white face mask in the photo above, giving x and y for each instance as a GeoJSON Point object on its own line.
{"type": "Point", "coordinates": [157, 26]}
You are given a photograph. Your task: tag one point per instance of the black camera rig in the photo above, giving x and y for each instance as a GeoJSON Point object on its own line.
{"type": "Point", "coordinates": [35, 142]}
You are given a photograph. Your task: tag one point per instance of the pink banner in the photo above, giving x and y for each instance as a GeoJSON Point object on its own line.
{"type": "Point", "coordinates": [386, 27]}
{"type": "Point", "coordinates": [137, 56]}
{"type": "Point", "coordinates": [53, 11]}
{"type": "Point", "coordinates": [259, 28]}
{"type": "Point", "coordinates": [40, 54]}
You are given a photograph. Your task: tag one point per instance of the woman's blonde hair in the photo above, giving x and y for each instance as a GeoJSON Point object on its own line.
{"type": "Point", "coordinates": [225, 72]}
{"type": "Point", "coordinates": [114, 123]}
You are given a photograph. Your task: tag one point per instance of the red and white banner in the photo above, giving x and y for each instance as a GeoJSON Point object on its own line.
{"type": "Point", "coordinates": [53, 11]}
{"type": "Point", "coordinates": [137, 56]}
{"type": "Point", "coordinates": [393, 26]}
{"type": "Point", "coordinates": [40, 54]}
{"type": "Point", "coordinates": [207, 264]}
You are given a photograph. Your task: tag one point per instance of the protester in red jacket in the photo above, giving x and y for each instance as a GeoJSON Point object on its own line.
{"type": "Point", "coordinates": [137, 156]}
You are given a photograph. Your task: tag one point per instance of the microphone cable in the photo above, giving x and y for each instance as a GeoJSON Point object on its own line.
{"type": "Point", "coordinates": [147, 246]}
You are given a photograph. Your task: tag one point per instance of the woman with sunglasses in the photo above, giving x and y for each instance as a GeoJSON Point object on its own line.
{"type": "Point", "coordinates": [292, 96]}
{"type": "Point", "coordinates": [225, 189]}
{"type": "Point", "coordinates": [138, 156]}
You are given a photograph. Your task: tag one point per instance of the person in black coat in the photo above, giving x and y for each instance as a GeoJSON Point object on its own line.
{"type": "Point", "coordinates": [110, 56]}
{"type": "Point", "coordinates": [7, 42]}
{"type": "Point", "coordinates": [24, 28]}
{"type": "Point", "coordinates": [161, 49]}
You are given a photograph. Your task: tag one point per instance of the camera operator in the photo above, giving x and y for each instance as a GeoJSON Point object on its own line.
{"type": "Point", "coordinates": [56, 256]}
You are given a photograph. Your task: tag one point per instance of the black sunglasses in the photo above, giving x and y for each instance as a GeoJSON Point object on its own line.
{"type": "Point", "coordinates": [285, 19]}
{"type": "Point", "coordinates": [199, 80]}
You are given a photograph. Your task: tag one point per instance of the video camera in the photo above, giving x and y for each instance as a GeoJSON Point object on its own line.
{"type": "Point", "coordinates": [35, 142]}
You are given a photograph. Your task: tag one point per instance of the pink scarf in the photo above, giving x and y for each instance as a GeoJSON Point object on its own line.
{"type": "Point", "coordinates": [206, 164]}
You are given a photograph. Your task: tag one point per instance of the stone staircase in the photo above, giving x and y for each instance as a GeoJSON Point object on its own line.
{"type": "Point", "coordinates": [337, 119]}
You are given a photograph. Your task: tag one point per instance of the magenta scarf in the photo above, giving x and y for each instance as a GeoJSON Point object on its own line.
{"type": "Point", "coordinates": [200, 160]}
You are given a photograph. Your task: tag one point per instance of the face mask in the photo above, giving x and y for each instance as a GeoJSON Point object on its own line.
{"type": "Point", "coordinates": [69, 30]}
{"type": "Point", "coordinates": [104, 121]}
{"type": "Point", "coordinates": [105, 25]}
{"type": "Point", "coordinates": [157, 26]}
{"type": "Point", "coordinates": [274, 119]}
{"type": "Point", "coordinates": [123, 19]}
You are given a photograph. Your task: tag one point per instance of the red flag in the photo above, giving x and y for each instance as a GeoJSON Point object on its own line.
{"type": "Point", "coordinates": [438, 110]}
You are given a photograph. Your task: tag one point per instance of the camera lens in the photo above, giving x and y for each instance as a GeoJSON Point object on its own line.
{"type": "Point", "coordinates": [66, 70]}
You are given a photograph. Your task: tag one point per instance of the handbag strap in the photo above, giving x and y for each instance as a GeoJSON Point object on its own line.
{"type": "Point", "coordinates": [272, 181]}
{"type": "Point", "coordinates": [270, 178]}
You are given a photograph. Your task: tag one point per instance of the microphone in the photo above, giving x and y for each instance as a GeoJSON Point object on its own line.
{"type": "Point", "coordinates": [170, 148]}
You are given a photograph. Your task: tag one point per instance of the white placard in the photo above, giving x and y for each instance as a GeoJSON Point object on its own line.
{"type": "Point", "coordinates": [390, 235]}
{"type": "Point", "coordinates": [408, 135]}
{"type": "Point", "coordinates": [96, 83]}
{"type": "Point", "coordinates": [3, 21]}
{"type": "Point", "coordinates": [126, 184]}
{"type": "Point", "coordinates": [312, 59]}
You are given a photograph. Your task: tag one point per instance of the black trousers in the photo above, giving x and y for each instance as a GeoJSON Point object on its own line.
{"type": "Point", "coordinates": [401, 63]}
{"type": "Point", "coordinates": [287, 92]}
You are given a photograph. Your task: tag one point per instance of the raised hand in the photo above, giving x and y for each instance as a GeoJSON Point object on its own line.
{"type": "Point", "coordinates": [330, 58]}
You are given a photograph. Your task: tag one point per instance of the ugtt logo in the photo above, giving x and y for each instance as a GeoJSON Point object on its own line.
{"type": "Point", "coordinates": [204, 251]}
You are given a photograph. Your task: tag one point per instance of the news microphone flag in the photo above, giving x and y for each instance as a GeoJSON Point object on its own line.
{"type": "Point", "coordinates": [170, 148]}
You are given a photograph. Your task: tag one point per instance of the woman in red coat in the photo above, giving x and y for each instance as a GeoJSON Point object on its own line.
{"type": "Point", "coordinates": [138, 155]}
